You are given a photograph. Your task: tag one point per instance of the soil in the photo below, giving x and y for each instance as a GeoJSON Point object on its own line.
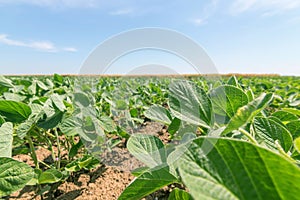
{"type": "Point", "coordinates": [104, 183]}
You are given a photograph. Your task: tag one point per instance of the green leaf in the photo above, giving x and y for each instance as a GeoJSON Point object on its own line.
{"type": "Point", "coordinates": [226, 100]}
{"type": "Point", "coordinates": [71, 126]}
{"type": "Point", "coordinates": [284, 116]}
{"type": "Point", "coordinates": [6, 82]}
{"type": "Point", "coordinates": [86, 162]}
{"type": "Point", "coordinates": [174, 126]}
{"type": "Point", "coordinates": [294, 128]}
{"type": "Point", "coordinates": [139, 171]}
{"type": "Point", "coordinates": [250, 94]}
{"type": "Point", "coordinates": [120, 104]}
{"type": "Point", "coordinates": [81, 100]}
{"type": "Point", "coordinates": [6, 139]}
{"type": "Point", "coordinates": [178, 194]}
{"type": "Point", "coordinates": [297, 144]}
{"type": "Point", "coordinates": [148, 149]}
{"type": "Point", "coordinates": [58, 79]}
{"type": "Point", "coordinates": [134, 112]}
{"type": "Point", "coordinates": [13, 175]}
{"type": "Point", "coordinates": [233, 81]}
{"type": "Point", "coordinates": [221, 168]}
{"type": "Point", "coordinates": [190, 103]}
{"type": "Point", "coordinates": [36, 109]}
{"type": "Point", "coordinates": [41, 85]}
{"type": "Point", "coordinates": [74, 149]}
{"type": "Point", "coordinates": [51, 122]}
{"type": "Point", "coordinates": [14, 111]}
{"type": "Point", "coordinates": [50, 176]}
{"type": "Point", "coordinates": [2, 121]}
{"type": "Point", "coordinates": [269, 131]}
{"type": "Point", "coordinates": [91, 132]}
{"type": "Point", "coordinates": [148, 183]}
{"type": "Point", "coordinates": [159, 114]}
{"type": "Point", "coordinates": [32, 89]}
{"type": "Point", "coordinates": [292, 110]}
{"type": "Point", "coordinates": [58, 102]}
{"type": "Point", "coordinates": [24, 128]}
{"type": "Point", "coordinates": [107, 124]}
{"type": "Point", "coordinates": [248, 112]}
{"type": "Point", "coordinates": [73, 166]}
{"type": "Point", "coordinates": [13, 97]}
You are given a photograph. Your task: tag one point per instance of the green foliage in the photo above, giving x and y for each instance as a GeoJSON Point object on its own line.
{"type": "Point", "coordinates": [14, 175]}
{"type": "Point", "coordinates": [6, 139]}
{"type": "Point", "coordinates": [221, 167]}
{"type": "Point", "coordinates": [190, 103]}
{"type": "Point", "coordinates": [159, 113]}
{"type": "Point", "coordinates": [232, 169]}
{"type": "Point", "coordinates": [49, 176]}
{"type": "Point", "coordinates": [148, 149]}
{"type": "Point", "coordinates": [269, 131]}
{"type": "Point", "coordinates": [246, 113]}
{"type": "Point", "coordinates": [236, 138]}
{"type": "Point", "coordinates": [14, 111]}
{"type": "Point", "coordinates": [227, 100]}
{"type": "Point", "coordinates": [178, 194]}
{"type": "Point", "coordinates": [147, 183]}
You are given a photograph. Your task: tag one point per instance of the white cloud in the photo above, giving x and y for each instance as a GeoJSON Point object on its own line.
{"type": "Point", "coordinates": [199, 22]}
{"type": "Point", "coordinates": [70, 49]}
{"type": "Point", "coordinates": [38, 45]}
{"type": "Point", "coordinates": [208, 10]}
{"type": "Point", "coordinates": [240, 6]}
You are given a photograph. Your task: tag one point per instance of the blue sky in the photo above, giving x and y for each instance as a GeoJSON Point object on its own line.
{"type": "Point", "coordinates": [241, 36]}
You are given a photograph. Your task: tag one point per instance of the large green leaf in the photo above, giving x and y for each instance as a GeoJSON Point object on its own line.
{"type": "Point", "coordinates": [226, 100]}
{"type": "Point", "coordinates": [148, 183]}
{"type": "Point", "coordinates": [190, 103]}
{"type": "Point", "coordinates": [50, 176]}
{"type": "Point", "coordinates": [148, 149]}
{"type": "Point", "coordinates": [14, 175]}
{"type": "Point", "coordinates": [159, 113]}
{"type": "Point", "coordinates": [268, 131]}
{"type": "Point", "coordinates": [248, 112]}
{"type": "Point", "coordinates": [14, 111]}
{"type": "Point", "coordinates": [6, 139]}
{"type": "Point", "coordinates": [220, 168]}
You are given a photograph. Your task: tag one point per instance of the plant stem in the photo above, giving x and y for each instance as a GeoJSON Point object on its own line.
{"type": "Point", "coordinates": [58, 148]}
{"type": "Point", "coordinates": [282, 152]}
{"type": "Point", "coordinates": [248, 135]}
{"type": "Point", "coordinates": [33, 153]}
{"type": "Point", "coordinates": [45, 164]}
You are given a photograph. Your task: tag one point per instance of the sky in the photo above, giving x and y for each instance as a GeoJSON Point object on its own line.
{"type": "Point", "coordinates": [240, 36]}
